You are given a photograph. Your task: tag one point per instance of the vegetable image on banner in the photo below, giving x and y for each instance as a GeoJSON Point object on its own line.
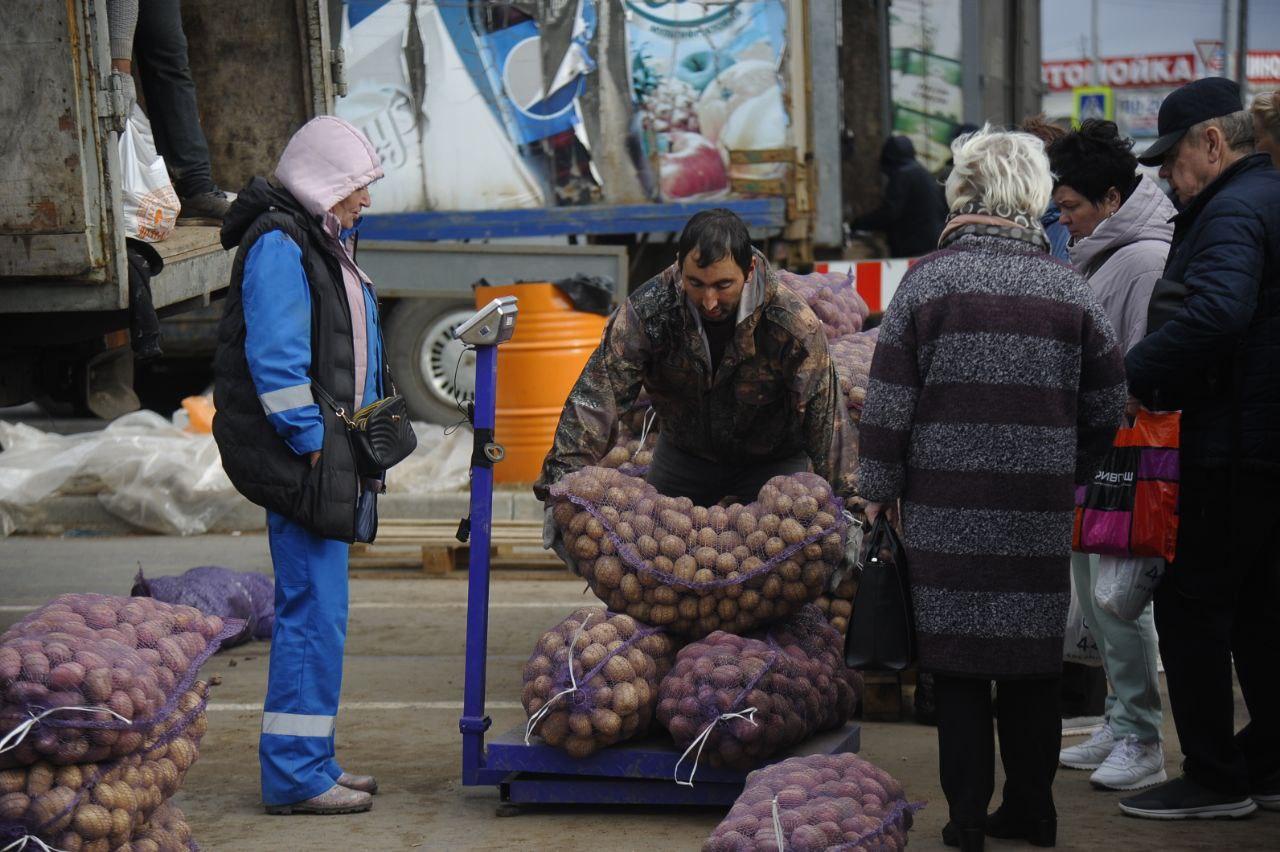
{"type": "Point", "coordinates": [706, 81]}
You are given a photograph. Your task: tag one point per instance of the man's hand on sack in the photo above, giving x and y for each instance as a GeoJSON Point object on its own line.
{"type": "Point", "coordinates": [553, 541]}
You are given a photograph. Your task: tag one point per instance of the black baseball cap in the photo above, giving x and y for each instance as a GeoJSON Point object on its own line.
{"type": "Point", "coordinates": [1197, 101]}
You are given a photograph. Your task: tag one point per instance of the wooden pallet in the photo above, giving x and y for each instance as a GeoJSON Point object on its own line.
{"type": "Point", "coordinates": [432, 547]}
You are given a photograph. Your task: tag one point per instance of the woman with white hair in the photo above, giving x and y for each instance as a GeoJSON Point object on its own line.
{"type": "Point", "coordinates": [996, 387]}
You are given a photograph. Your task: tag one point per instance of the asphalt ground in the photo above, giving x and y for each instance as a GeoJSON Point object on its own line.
{"type": "Point", "coordinates": [401, 700]}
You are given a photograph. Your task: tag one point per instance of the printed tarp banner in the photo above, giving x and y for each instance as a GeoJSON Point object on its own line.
{"type": "Point", "coordinates": [707, 81]}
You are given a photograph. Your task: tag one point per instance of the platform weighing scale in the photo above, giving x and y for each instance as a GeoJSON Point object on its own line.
{"type": "Point", "coordinates": [638, 772]}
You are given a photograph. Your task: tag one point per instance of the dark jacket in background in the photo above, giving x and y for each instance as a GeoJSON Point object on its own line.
{"type": "Point", "coordinates": [912, 213]}
{"type": "Point", "coordinates": [1218, 358]}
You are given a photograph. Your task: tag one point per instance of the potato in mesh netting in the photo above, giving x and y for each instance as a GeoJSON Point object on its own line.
{"type": "Point", "coordinates": [696, 569]}
{"type": "Point", "coordinates": [737, 700]}
{"type": "Point", "coordinates": [97, 807]}
{"type": "Point", "coordinates": [851, 355]}
{"type": "Point", "coordinates": [592, 680]}
{"type": "Point", "coordinates": [86, 678]}
{"type": "Point", "coordinates": [814, 803]}
{"type": "Point", "coordinates": [833, 297]}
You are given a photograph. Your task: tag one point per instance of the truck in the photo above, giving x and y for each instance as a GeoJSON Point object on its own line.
{"type": "Point", "coordinates": [597, 163]}
{"type": "Point", "coordinates": [64, 291]}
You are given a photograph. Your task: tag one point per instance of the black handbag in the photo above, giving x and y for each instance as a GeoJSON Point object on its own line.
{"type": "Point", "coordinates": [882, 634]}
{"type": "Point", "coordinates": [381, 432]}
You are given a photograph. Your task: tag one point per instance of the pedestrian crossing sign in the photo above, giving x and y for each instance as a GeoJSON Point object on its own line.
{"type": "Point", "coordinates": [1092, 102]}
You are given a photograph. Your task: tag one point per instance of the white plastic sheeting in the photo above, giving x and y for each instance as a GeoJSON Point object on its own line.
{"type": "Point", "coordinates": [161, 478]}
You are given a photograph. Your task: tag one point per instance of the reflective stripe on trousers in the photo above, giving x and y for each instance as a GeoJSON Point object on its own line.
{"type": "Point", "coordinates": [295, 749]}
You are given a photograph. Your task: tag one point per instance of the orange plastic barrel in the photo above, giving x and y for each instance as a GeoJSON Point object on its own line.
{"type": "Point", "coordinates": [536, 370]}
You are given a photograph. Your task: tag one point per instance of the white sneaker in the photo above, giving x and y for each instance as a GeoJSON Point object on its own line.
{"type": "Point", "coordinates": [1090, 753]}
{"type": "Point", "coordinates": [1132, 765]}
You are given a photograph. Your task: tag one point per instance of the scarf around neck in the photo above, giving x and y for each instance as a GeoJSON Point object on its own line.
{"type": "Point", "coordinates": [974, 220]}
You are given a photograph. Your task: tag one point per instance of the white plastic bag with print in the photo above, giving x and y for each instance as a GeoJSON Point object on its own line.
{"type": "Point", "coordinates": [150, 203]}
{"type": "Point", "coordinates": [1126, 586]}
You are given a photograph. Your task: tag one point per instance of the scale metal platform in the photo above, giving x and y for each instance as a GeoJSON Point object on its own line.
{"type": "Point", "coordinates": [639, 772]}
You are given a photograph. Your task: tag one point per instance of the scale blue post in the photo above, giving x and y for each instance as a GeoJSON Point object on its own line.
{"type": "Point", "coordinates": [640, 772]}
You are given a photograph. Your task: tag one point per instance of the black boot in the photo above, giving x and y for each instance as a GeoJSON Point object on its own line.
{"type": "Point", "coordinates": [1043, 832]}
{"type": "Point", "coordinates": [964, 838]}
{"type": "Point", "coordinates": [1006, 825]}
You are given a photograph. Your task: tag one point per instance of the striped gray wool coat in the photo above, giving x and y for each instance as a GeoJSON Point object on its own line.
{"type": "Point", "coordinates": [996, 386]}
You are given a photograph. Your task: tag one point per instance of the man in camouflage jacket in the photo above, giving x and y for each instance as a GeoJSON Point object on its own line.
{"type": "Point", "coordinates": [772, 399]}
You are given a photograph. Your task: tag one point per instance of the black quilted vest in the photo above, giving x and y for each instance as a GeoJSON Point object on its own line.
{"type": "Point", "coordinates": [256, 459]}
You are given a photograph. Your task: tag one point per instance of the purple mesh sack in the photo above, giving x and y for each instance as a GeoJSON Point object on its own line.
{"type": "Point", "coordinates": [814, 803]}
{"type": "Point", "coordinates": [736, 701]}
{"type": "Point", "coordinates": [98, 806]}
{"type": "Point", "coordinates": [85, 678]}
{"type": "Point", "coordinates": [166, 831]}
{"type": "Point", "coordinates": [851, 355]}
{"type": "Point", "coordinates": [695, 569]}
{"type": "Point", "coordinates": [215, 590]}
{"type": "Point", "coordinates": [833, 297]}
{"type": "Point", "coordinates": [633, 452]}
{"type": "Point", "coordinates": [592, 681]}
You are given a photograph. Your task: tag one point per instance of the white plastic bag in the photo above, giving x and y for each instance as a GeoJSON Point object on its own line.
{"type": "Point", "coordinates": [1125, 586]}
{"type": "Point", "coordinates": [150, 203]}
{"type": "Point", "coordinates": [1078, 645]}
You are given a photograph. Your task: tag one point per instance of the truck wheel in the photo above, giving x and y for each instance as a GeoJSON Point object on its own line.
{"type": "Point", "coordinates": [435, 373]}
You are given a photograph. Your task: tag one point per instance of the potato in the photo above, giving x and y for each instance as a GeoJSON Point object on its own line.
{"type": "Point", "coordinates": [796, 682]}
{"type": "Point", "coordinates": [618, 663]}
{"type": "Point", "coordinates": [685, 554]}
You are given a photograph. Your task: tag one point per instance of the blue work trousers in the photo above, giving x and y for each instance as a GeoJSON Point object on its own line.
{"type": "Point", "coordinates": [296, 747]}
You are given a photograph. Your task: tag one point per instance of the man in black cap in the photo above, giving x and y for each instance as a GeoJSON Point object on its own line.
{"type": "Point", "coordinates": [1213, 351]}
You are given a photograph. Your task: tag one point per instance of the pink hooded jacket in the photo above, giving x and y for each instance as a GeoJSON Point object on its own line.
{"type": "Point", "coordinates": [324, 162]}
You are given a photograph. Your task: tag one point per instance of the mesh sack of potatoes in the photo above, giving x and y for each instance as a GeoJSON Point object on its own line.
{"type": "Point", "coordinates": [851, 355]}
{"type": "Point", "coordinates": [632, 453]}
{"type": "Point", "coordinates": [97, 807]}
{"type": "Point", "coordinates": [166, 831]}
{"type": "Point", "coordinates": [593, 680]}
{"type": "Point", "coordinates": [832, 297]}
{"type": "Point", "coordinates": [695, 569]}
{"type": "Point", "coordinates": [85, 678]}
{"type": "Point", "coordinates": [814, 803]}
{"type": "Point", "coordinates": [837, 604]}
{"type": "Point", "coordinates": [735, 701]}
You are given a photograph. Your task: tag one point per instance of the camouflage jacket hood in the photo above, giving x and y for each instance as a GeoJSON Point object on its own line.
{"type": "Point", "coordinates": [774, 395]}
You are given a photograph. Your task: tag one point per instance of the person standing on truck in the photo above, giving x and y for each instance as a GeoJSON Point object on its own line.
{"type": "Point", "coordinates": [913, 212]}
{"type": "Point", "coordinates": [301, 317]}
{"type": "Point", "coordinates": [738, 371]}
{"type": "Point", "coordinates": [152, 29]}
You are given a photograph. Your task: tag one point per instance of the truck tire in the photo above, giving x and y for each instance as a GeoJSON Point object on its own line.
{"type": "Point", "coordinates": [434, 372]}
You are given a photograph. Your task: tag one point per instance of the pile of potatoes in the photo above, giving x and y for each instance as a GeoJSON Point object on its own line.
{"type": "Point", "coordinates": [166, 831]}
{"type": "Point", "coordinates": [851, 356]}
{"type": "Point", "coordinates": [794, 678]}
{"type": "Point", "coordinates": [691, 569]}
{"type": "Point", "coordinates": [617, 665]}
{"type": "Point", "coordinates": [129, 655]}
{"type": "Point", "coordinates": [823, 801]}
{"type": "Point", "coordinates": [837, 604]}
{"type": "Point", "coordinates": [832, 296]}
{"type": "Point", "coordinates": [630, 456]}
{"type": "Point", "coordinates": [98, 807]}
